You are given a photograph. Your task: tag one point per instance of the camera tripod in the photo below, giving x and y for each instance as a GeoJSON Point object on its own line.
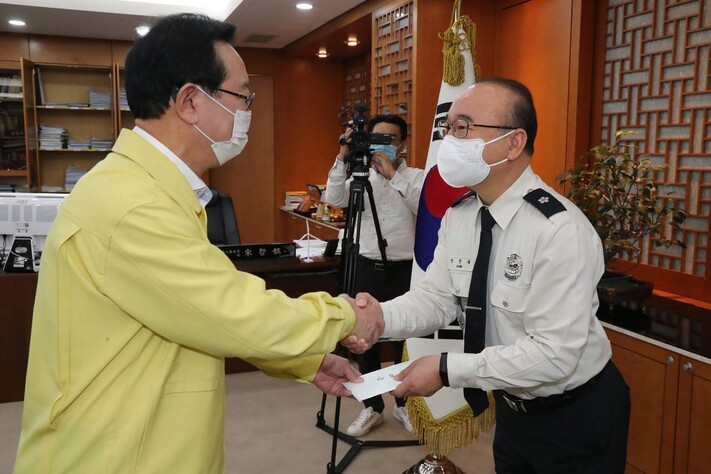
{"type": "Point", "coordinates": [360, 186]}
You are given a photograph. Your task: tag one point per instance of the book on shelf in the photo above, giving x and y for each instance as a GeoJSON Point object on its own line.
{"type": "Point", "coordinates": [101, 143]}
{"type": "Point", "coordinates": [52, 138]}
{"type": "Point", "coordinates": [123, 100]}
{"type": "Point", "coordinates": [71, 105]}
{"type": "Point", "coordinates": [40, 86]}
{"type": "Point", "coordinates": [99, 99]}
{"type": "Point", "coordinates": [50, 188]}
{"type": "Point", "coordinates": [11, 121]}
{"type": "Point", "coordinates": [10, 87]}
{"type": "Point", "coordinates": [72, 175]}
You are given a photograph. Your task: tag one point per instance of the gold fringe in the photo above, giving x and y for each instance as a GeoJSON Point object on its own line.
{"type": "Point", "coordinates": [443, 435]}
{"type": "Point", "coordinates": [454, 44]}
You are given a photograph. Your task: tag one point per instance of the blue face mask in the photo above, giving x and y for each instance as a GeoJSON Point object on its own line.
{"type": "Point", "coordinates": [390, 150]}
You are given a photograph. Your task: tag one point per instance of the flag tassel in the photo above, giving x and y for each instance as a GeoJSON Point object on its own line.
{"type": "Point", "coordinates": [461, 36]}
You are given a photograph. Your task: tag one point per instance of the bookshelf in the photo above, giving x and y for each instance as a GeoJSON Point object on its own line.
{"type": "Point", "coordinates": [14, 174]}
{"type": "Point", "coordinates": [75, 119]}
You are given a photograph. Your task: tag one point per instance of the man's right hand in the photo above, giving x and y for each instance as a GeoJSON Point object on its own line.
{"type": "Point", "coordinates": [344, 150]}
{"type": "Point", "coordinates": [369, 325]}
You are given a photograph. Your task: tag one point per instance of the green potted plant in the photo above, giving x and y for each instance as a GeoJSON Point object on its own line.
{"type": "Point", "coordinates": [618, 194]}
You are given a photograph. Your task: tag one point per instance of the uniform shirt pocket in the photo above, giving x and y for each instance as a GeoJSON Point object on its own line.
{"type": "Point", "coordinates": [509, 298]}
{"type": "Point", "coordinates": [460, 282]}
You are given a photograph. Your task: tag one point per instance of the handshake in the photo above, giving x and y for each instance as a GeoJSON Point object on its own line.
{"type": "Point", "coordinates": [369, 324]}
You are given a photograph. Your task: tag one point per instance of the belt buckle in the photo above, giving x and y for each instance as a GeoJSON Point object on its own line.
{"type": "Point", "coordinates": [379, 265]}
{"type": "Point", "coordinates": [515, 405]}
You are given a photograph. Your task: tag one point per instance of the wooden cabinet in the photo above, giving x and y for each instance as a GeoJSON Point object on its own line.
{"type": "Point", "coordinates": [693, 432]}
{"type": "Point", "coordinates": [14, 169]}
{"type": "Point", "coordinates": [670, 424]}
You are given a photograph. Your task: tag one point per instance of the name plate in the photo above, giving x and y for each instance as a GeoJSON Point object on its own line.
{"type": "Point", "coordinates": [259, 251]}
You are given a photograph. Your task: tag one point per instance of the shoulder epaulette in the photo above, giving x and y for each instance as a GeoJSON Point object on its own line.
{"type": "Point", "coordinates": [462, 198]}
{"type": "Point", "coordinates": [544, 202]}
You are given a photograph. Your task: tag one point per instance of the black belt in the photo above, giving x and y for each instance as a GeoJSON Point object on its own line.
{"type": "Point", "coordinates": [380, 265]}
{"type": "Point", "coordinates": [552, 401]}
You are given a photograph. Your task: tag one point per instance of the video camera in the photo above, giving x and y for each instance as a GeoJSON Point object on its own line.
{"type": "Point", "coordinates": [358, 160]}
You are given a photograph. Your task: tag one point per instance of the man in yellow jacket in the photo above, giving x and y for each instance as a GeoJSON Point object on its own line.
{"type": "Point", "coordinates": [135, 309]}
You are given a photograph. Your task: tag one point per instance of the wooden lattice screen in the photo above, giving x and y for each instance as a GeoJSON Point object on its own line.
{"type": "Point", "coordinates": [357, 82]}
{"type": "Point", "coordinates": [657, 82]}
{"type": "Point", "coordinates": [393, 39]}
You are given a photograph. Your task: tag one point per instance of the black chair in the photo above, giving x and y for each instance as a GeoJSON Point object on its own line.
{"type": "Point", "coordinates": [221, 221]}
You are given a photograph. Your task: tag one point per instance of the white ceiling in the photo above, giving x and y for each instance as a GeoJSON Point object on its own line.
{"type": "Point", "coordinates": [116, 19]}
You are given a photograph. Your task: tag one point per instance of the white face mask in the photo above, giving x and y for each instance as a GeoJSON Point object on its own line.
{"type": "Point", "coordinates": [461, 161]}
{"type": "Point", "coordinates": [226, 150]}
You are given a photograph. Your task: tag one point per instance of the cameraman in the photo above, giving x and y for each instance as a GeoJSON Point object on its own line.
{"type": "Point", "coordinates": [396, 193]}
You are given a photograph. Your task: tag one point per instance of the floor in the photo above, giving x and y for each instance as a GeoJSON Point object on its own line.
{"type": "Point", "coordinates": [270, 427]}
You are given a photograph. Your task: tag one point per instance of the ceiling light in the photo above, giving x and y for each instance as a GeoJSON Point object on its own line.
{"type": "Point", "coordinates": [143, 29]}
{"type": "Point", "coordinates": [304, 6]}
{"type": "Point", "coordinates": [352, 41]}
{"type": "Point", "coordinates": [322, 53]}
{"type": "Point", "coordinates": [17, 23]}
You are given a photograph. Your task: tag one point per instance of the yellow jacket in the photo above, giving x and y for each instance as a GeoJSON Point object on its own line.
{"type": "Point", "coordinates": [134, 314]}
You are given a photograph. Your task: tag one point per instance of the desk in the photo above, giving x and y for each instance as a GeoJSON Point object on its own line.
{"type": "Point", "coordinates": [17, 294]}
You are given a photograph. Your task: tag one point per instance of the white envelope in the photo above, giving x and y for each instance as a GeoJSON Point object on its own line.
{"type": "Point", "coordinates": [376, 383]}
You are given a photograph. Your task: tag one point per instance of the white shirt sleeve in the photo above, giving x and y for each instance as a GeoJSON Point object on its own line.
{"type": "Point", "coordinates": [427, 307]}
{"type": "Point", "coordinates": [337, 188]}
{"type": "Point", "coordinates": [408, 183]}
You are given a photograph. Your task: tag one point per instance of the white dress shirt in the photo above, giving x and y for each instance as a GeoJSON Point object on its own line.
{"type": "Point", "coordinates": [396, 201]}
{"type": "Point", "coordinates": [202, 192]}
{"type": "Point", "coordinates": [542, 334]}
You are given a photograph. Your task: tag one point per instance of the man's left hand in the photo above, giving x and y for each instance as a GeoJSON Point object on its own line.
{"type": "Point", "coordinates": [333, 372]}
{"type": "Point", "coordinates": [381, 162]}
{"type": "Point", "coordinates": [421, 378]}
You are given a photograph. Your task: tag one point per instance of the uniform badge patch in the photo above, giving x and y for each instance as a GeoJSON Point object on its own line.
{"type": "Point", "coordinates": [514, 266]}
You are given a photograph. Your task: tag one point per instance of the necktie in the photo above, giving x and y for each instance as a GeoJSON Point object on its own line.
{"type": "Point", "coordinates": [474, 334]}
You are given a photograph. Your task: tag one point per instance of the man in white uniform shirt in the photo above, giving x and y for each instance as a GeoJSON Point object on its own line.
{"type": "Point", "coordinates": [396, 193]}
{"type": "Point", "coordinates": [561, 404]}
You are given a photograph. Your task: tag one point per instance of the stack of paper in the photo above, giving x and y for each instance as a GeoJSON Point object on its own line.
{"type": "Point", "coordinates": [101, 143]}
{"type": "Point", "coordinates": [72, 176]}
{"type": "Point", "coordinates": [123, 100]}
{"type": "Point", "coordinates": [73, 144]}
{"type": "Point", "coordinates": [309, 247]}
{"type": "Point", "coordinates": [52, 138]}
{"type": "Point", "coordinates": [99, 100]}
{"type": "Point", "coordinates": [294, 198]}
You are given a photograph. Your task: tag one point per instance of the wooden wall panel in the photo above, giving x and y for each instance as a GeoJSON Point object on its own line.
{"type": "Point", "coordinates": [65, 50]}
{"type": "Point", "coordinates": [13, 46]}
{"type": "Point", "coordinates": [434, 17]}
{"type": "Point", "coordinates": [259, 60]}
{"type": "Point", "coordinates": [542, 63]}
{"type": "Point", "coordinates": [249, 178]}
{"type": "Point", "coordinates": [307, 96]}
{"type": "Point", "coordinates": [119, 51]}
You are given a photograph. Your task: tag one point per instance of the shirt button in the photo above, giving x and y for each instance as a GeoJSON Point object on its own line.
{"type": "Point", "coordinates": [456, 290]}
{"type": "Point", "coordinates": [506, 304]}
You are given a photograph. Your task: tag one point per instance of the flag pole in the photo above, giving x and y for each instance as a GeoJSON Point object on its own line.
{"type": "Point", "coordinates": [459, 427]}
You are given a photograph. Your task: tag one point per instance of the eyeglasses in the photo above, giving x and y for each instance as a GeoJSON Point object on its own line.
{"type": "Point", "coordinates": [461, 127]}
{"type": "Point", "coordinates": [247, 99]}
